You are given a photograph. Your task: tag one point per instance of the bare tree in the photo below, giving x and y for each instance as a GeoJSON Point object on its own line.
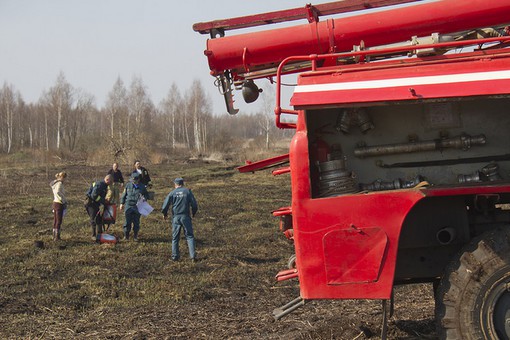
{"type": "Point", "coordinates": [64, 115]}
{"type": "Point", "coordinates": [59, 101]}
{"type": "Point", "coordinates": [23, 122]}
{"type": "Point", "coordinates": [140, 105]}
{"type": "Point", "coordinates": [266, 115]}
{"type": "Point", "coordinates": [116, 105]}
{"type": "Point", "coordinates": [198, 106]}
{"type": "Point", "coordinates": [8, 106]}
{"type": "Point", "coordinates": [78, 117]}
{"type": "Point", "coordinates": [171, 108]}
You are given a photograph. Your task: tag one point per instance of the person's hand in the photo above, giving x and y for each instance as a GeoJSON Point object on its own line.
{"type": "Point", "coordinates": [165, 217]}
{"type": "Point", "coordinates": [121, 206]}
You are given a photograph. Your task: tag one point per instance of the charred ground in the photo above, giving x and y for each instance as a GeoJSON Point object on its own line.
{"type": "Point", "coordinates": [78, 289]}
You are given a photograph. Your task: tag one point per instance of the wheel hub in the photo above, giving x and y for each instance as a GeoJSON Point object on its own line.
{"type": "Point", "coordinates": [500, 300]}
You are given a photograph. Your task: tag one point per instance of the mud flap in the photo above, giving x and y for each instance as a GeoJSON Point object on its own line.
{"type": "Point", "coordinates": [354, 255]}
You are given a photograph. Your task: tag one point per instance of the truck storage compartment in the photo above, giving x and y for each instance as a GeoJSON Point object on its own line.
{"type": "Point", "coordinates": [453, 142]}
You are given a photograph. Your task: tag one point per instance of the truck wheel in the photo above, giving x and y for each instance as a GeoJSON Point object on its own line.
{"type": "Point", "coordinates": [473, 297]}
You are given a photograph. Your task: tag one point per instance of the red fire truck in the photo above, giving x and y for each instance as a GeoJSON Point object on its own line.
{"type": "Point", "coordinates": [400, 163]}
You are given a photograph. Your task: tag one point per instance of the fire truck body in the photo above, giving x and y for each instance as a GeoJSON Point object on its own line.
{"type": "Point", "coordinates": [424, 225]}
{"type": "Point", "coordinates": [400, 166]}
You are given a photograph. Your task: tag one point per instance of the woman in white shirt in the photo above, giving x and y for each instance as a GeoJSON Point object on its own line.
{"type": "Point", "coordinates": [59, 203]}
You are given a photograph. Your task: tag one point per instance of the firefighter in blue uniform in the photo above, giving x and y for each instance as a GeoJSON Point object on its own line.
{"type": "Point", "coordinates": [132, 193]}
{"type": "Point", "coordinates": [184, 207]}
{"type": "Point", "coordinates": [95, 197]}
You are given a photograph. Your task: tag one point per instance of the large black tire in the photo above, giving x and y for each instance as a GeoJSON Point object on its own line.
{"type": "Point", "coordinates": [473, 297]}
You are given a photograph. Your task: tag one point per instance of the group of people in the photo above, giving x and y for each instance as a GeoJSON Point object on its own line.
{"type": "Point", "coordinates": [107, 192]}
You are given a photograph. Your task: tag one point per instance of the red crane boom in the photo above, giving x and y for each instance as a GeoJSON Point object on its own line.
{"type": "Point", "coordinates": [257, 50]}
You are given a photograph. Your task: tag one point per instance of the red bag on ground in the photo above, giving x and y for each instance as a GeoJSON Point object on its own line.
{"type": "Point", "coordinates": [106, 238]}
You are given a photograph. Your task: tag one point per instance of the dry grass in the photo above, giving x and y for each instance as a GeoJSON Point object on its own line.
{"type": "Point", "coordinates": [78, 289]}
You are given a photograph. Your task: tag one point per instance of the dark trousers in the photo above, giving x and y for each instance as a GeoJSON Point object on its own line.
{"type": "Point", "coordinates": [96, 220]}
{"type": "Point", "coordinates": [132, 217]}
{"type": "Point", "coordinates": [58, 215]}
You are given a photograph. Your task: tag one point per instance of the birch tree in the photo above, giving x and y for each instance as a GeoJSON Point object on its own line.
{"type": "Point", "coordinates": [140, 105]}
{"type": "Point", "coordinates": [198, 107]}
{"type": "Point", "coordinates": [171, 108]}
{"type": "Point", "coordinates": [59, 100]}
{"type": "Point", "coordinates": [8, 106]}
{"type": "Point", "coordinates": [78, 117]}
{"type": "Point", "coordinates": [266, 115]}
{"type": "Point", "coordinates": [116, 106]}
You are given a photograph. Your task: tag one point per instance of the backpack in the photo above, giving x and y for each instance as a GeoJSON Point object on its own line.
{"type": "Point", "coordinates": [88, 200]}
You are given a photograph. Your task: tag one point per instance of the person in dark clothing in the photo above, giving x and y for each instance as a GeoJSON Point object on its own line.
{"type": "Point", "coordinates": [145, 179]}
{"type": "Point", "coordinates": [96, 196]}
{"type": "Point", "coordinates": [184, 207]}
{"type": "Point", "coordinates": [118, 182]}
{"type": "Point", "coordinates": [132, 193]}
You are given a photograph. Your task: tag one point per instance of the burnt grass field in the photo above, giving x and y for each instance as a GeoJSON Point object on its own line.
{"type": "Point", "coordinates": [77, 289]}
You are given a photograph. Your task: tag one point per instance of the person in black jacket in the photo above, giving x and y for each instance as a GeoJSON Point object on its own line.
{"type": "Point", "coordinates": [118, 182]}
{"type": "Point", "coordinates": [95, 197]}
{"type": "Point", "coordinates": [145, 179]}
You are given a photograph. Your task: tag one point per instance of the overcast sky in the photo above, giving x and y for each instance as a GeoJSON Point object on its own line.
{"type": "Point", "coordinates": [95, 41]}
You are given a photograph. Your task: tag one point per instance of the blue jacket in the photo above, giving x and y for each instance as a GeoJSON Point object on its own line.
{"type": "Point", "coordinates": [132, 193]}
{"type": "Point", "coordinates": [97, 192]}
{"type": "Point", "coordinates": [182, 201]}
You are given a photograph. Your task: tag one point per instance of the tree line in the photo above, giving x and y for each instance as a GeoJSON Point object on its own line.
{"type": "Point", "coordinates": [67, 119]}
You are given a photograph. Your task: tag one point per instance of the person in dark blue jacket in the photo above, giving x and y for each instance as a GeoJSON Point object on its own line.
{"type": "Point", "coordinates": [95, 197]}
{"type": "Point", "coordinates": [133, 192]}
{"type": "Point", "coordinates": [184, 206]}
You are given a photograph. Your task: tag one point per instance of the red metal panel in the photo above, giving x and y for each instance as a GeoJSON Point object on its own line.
{"type": "Point", "coordinates": [360, 258]}
{"type": "Point", "coordinates": [259, 49]}
{"type": "Point", "coordinates": [484, 76]}
{"type": "Point", "coordinates": [312, 220]}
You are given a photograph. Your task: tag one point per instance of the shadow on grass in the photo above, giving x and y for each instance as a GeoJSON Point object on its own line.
{"type": "Point", "coordinates": [253, 260]}
{"type": "Point", "coordinates": [155, 240]}
{"type": "Point", "coordinates": [417, 329]}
